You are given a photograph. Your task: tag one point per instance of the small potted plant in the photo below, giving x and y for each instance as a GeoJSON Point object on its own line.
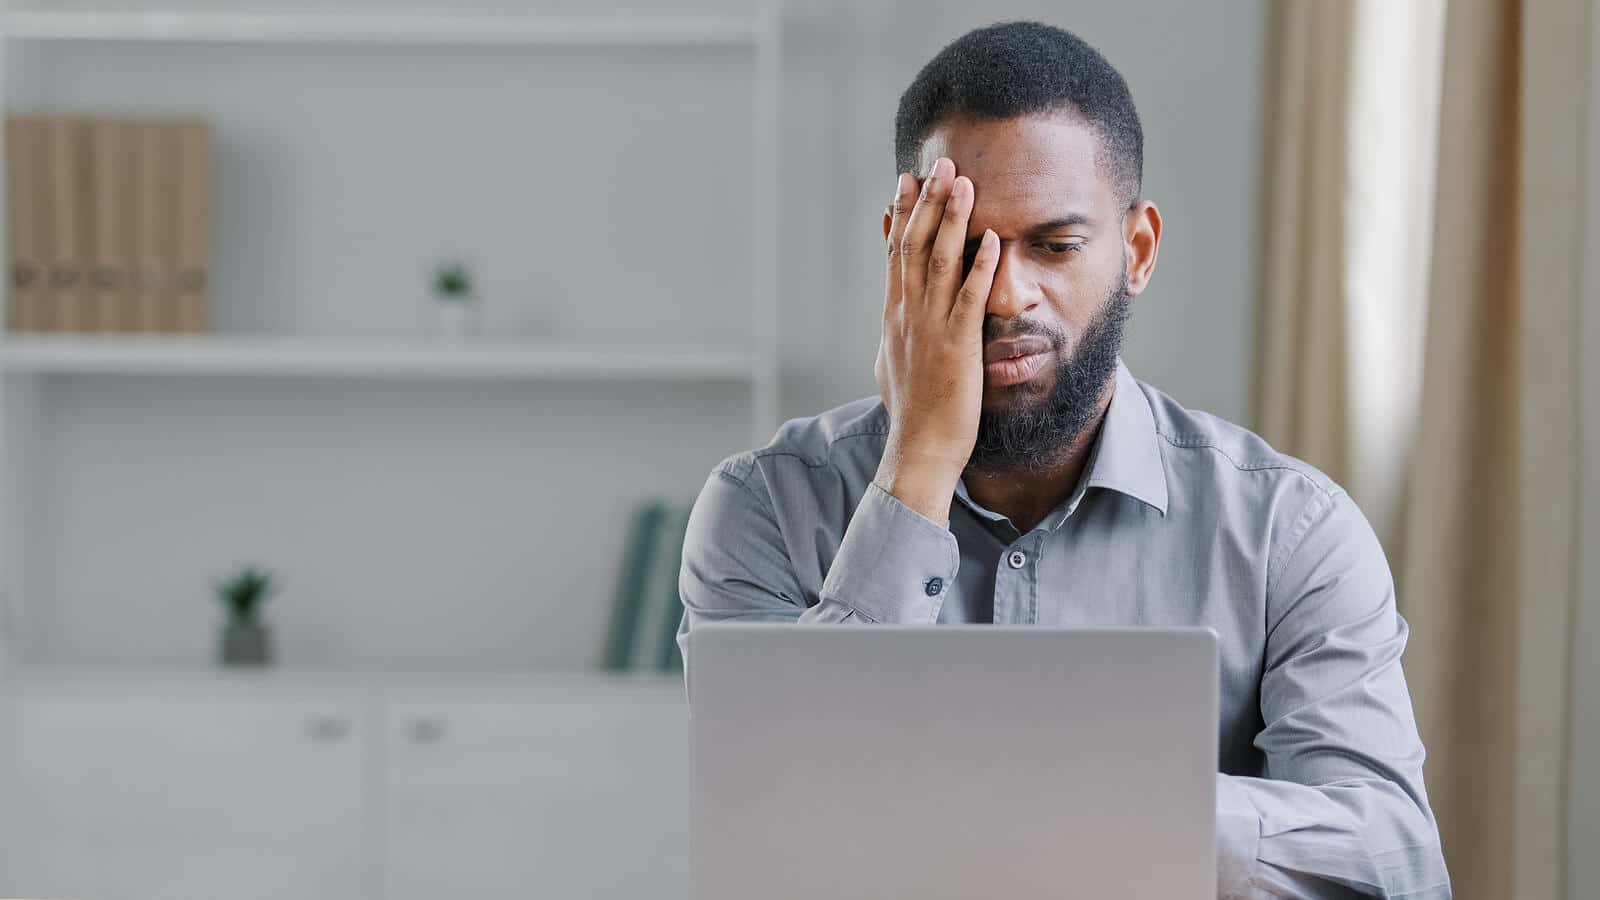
{"type": "Point", "coordinates": [455, 303]}
{"type": "Point", "coordinates": [245, 639]}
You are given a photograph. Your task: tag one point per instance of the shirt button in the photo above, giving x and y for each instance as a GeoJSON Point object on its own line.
{"type": "Point", "coordinates": [1016, 559]}
{"type": "Point", "coordinates": [934, 586]}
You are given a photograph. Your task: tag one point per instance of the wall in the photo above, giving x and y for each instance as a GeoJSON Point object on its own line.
{"type": "Point", "coordinates": [1195, 72]}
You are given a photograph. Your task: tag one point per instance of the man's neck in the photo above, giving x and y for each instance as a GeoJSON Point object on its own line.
{"type": "Point", "coordinates": [1026, 497]}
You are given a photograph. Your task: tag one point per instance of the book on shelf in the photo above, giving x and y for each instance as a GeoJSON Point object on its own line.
{"type": "Point", "coordinates": [193, 251]}
{"type": "Point", "coordinates": [112, 175]}
{"type": "Point", "coordinates": [662, 607]}
{"type": "Point", "coordinates": [637, 558]}
{"type": "Point", "coordinates": [647, 608]}
{"type": "Point", "coordinates": [667, 656]}
{"type": "Point", "coordinates": [156, 235]}
{"type": "Point", "coordinates": [113, 216]}
{"type": "Point", "coordinates": [26, 231]}
{"type": "Point", "coordinates": [68, 192]}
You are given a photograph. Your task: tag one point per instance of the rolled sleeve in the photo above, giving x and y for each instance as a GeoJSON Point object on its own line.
{"type": "Point", "coordinates": [894, 565]}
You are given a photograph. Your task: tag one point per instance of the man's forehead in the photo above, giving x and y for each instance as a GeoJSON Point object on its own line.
{"type": "Point", "coordinates": [1035, 162]}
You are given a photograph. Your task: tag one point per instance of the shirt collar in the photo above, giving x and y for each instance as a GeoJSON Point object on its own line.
{"type": "Point", "coordinates": [1126, 457]}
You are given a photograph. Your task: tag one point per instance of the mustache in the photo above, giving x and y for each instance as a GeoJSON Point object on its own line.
{"type": "Point", "coordinates": [995, 329]}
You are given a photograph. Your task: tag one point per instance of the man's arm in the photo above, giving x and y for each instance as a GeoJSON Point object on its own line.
{"type": "Point", "coordinates": [893, 564]}
{"type": "Point", "coordinates": [1342, 810]}
{"type": "Point", "coordinates": [897, 559]}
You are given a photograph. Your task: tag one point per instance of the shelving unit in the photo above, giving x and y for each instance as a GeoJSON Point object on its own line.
{"type": "Point", "coordinates": [31, 363]}
{"type": "Point", "coordinates": [322, 27]}
{"type": "Point", "coordinates": [329, 357]}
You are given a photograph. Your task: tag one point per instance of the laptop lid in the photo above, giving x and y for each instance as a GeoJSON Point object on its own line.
{"type": "Point", "coordinates": [951, 762]}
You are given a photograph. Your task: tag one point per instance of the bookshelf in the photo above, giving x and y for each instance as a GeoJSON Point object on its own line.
{"type": "Point", "coordinates": [38, 370]}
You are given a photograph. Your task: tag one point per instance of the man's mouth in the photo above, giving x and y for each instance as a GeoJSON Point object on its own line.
{"type": "Point", "coordinates": [1014, 360]}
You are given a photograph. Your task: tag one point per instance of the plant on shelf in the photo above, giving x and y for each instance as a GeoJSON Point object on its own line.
{"type": "Point", "coordinates": [454, 309]}
{"type": "Point", "coordinates": [452, 283]}
{"type": "Point", "coordinates": [245, 639]}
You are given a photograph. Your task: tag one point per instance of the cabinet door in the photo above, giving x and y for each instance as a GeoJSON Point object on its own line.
{"type": "Point", "coordinates": [150, 794]}
{"type": "Point", "coordinates": [577, 792]}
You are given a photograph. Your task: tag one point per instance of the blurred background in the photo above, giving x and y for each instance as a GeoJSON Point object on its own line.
{"type": "Point", "coordinates": [362, 360]}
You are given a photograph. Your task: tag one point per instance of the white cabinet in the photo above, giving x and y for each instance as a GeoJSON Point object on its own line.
{"type": "Point", "coordinates": [558, 793]}
{"type": "Point", "coordinates": [230, 788]}
{"type": "Point", "coordinates": [146, 793]}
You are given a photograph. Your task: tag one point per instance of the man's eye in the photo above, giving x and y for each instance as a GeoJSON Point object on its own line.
{"type": "Point", "coordinates": [1058, 247]}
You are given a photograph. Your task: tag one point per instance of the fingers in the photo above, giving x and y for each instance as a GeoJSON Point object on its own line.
{"type": "Point", "coordinates": [973, 297]}
{"type": "Point", "coordinates": [916, 246]}
{"type": "Point", "coordinates": [945, 258]}
{"type": "Point", "coordinates": [905, 196]}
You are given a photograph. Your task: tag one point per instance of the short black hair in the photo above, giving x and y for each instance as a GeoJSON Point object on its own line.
{"type": "Point", "coordinates": [1019, 68]}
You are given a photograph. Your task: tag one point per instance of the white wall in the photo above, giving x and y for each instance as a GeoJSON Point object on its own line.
{"type": "Point", "coordinates": [481, 525]}
{"type": "Point", "coordinates": [1195, 72]}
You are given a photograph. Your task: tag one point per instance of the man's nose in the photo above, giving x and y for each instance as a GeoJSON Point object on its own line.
{"type": "Point", "coordinates": [1013, 292]}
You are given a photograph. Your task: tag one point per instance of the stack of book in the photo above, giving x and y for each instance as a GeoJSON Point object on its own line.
{"type": "Point", "coordinates": [108, 223]}
{"type": "Point", "coordinates": [647, 609]}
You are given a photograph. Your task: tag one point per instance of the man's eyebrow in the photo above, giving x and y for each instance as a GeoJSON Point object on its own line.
{"type": "Point", "coordinates": [1057, 224]}
{"type": "Point", "coordinates": [1066, 221]}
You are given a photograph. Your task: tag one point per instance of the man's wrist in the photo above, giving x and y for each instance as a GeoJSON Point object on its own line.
{"type": "Point", "coordinates": [926, 487]}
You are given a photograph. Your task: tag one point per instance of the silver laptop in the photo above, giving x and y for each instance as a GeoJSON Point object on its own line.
{"type": "Point", "coordinates": [951, 762]}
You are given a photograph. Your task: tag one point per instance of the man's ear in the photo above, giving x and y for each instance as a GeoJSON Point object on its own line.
{"type": "Point", "coordinates": [1141, 242]}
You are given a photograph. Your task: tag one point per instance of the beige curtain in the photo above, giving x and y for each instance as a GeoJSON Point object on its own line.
{"type": "Point", "coordinates": [1346, 234]}
{"type": "Point", "coordinates": [1300, 399]}
{"type": "Point", "coordinates": [1476, 503]}
{"type": "Point", "coordinates": [1489, 576]}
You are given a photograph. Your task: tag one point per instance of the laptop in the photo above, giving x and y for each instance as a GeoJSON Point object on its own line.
{"type": "Point", "coordinates": [951, 762]}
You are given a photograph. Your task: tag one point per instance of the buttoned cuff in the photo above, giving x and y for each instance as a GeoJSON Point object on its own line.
{"type": "Point", "coordinates": [894, 565]}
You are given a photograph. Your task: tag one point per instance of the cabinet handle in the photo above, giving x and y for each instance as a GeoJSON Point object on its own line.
{"type": "Point", "coordinates": [425, 730]}
{"type": "Point", "coordinates": [327, 729]}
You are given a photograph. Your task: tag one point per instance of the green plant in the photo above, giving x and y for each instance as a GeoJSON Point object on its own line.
{"type": "Point", "coordinates": [244, 593]}
{"type": "Point", "coordinates": [452, 282]}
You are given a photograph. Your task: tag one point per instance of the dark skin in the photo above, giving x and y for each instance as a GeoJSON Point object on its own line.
{"type": "Point", "coordinates": [1040, 227]}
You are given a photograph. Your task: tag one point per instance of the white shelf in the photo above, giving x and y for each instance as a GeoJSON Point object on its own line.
{"type": "Point", "coordinates": [325, 357]}
{"type": "Point", "coordinates": [638, 29]}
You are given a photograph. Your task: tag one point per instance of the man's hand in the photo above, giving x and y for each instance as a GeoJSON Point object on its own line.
{"type": "Point", "coordinates": [930, 360]}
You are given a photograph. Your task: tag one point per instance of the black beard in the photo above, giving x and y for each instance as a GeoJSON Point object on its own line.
{"type": "Point", "coordinates": [1029, 436]}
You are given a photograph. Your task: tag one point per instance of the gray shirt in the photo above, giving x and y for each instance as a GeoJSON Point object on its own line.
{"type": "Point", "coordinates": [1179, 519]}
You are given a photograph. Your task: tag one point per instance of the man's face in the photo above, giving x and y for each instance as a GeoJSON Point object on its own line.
{"type": "Point", "coordinates": [1053, 326]}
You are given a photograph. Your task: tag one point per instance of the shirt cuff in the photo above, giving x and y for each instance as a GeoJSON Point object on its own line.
{"type": "Point", "coordinates": [1238, 840]}
{"type": "Point", "coordinates": [894, 564]}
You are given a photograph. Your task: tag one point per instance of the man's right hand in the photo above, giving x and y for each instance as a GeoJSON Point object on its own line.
{"type": "Point", "coordinates": [930, 359]}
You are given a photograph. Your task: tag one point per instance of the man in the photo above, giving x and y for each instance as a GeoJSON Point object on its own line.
{"type": "Point", "coordinates": [1014, 471]}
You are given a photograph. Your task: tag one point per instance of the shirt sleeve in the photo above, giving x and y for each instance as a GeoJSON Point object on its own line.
{"type": "Point", "coordinates": [893, 564]}
{"type": "Point", "coordinates": [1341, 810]}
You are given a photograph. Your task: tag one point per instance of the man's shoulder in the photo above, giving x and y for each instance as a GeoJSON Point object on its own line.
{"type": "Point", "coordinates": [1197, 443]}
{"type": "Point", "coordinates": [846, 439]}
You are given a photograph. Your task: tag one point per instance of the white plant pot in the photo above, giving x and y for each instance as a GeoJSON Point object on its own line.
{"type": "Point", "coordinates": [455, 319]}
